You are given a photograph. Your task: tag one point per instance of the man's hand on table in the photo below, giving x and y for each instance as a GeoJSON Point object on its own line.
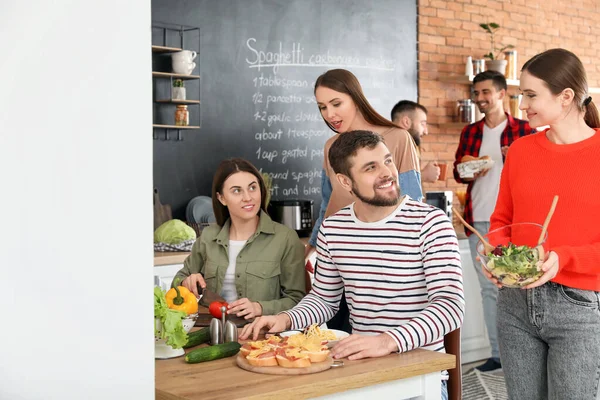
{"type": "Point", "coordinates": [273, 323]}
{"type": "Point", "coordinates": [357, 347]}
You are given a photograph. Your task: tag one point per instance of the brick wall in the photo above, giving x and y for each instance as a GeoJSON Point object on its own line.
{"type": "Point", "coordinates": [449, 32]}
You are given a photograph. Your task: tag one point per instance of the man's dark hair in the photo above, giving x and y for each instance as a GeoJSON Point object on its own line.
{"type": "Point", "coordinates": [498, 80]}
{"type": "Point", "coordinates": [404, 106]}
{"type": "Point", "coordinates": [347, 145]}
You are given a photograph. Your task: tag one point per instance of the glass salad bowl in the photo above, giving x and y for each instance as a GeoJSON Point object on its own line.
{"type": "Point", "coordinates": [515, 261]}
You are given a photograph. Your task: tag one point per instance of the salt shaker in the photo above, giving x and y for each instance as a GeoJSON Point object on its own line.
{"type": "Point", "coordinates": [469, 66]}
{"type": "Point", "coordinates": [216, 332]}
{"type": "Point", "coordinates": [231, 332]}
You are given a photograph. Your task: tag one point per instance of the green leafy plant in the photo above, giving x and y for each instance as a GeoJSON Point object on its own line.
{"type": "Point", "coordinates": [491, 28]}
{"type": "Point", "coordinates": [178, 83]}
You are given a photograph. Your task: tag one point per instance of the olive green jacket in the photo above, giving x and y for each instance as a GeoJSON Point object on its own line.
{"type": "Point", "coordinates": [269, 268]}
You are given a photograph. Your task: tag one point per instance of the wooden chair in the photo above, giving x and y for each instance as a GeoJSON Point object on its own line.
{"type": "Point", "coordinates": [452, 345]}
{"type": "Point", "coordinates": [307, 284]}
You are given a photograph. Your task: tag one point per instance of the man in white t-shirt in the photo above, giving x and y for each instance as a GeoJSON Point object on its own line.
{"type": "Point", "coordinates": [491, 136]}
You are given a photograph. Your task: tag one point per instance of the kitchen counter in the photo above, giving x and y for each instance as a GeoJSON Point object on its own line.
{"type": "Point", "coordinates": [224, 380]}
{"type": "Point", "coordinates": [169, 257]}
{"type": "Point", "coordinates": [172, 257]}
{"type": "Point", "coordinates": [177, 257]}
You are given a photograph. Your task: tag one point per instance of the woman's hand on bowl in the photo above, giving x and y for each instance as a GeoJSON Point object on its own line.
{"type": "Point", "coordinates": [192, 282]}
{"type": "Point", "coordinates": [550, 268]}
{"type": "Point", "coordinates": [245, 308]}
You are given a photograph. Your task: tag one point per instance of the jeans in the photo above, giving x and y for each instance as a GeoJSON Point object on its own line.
{"type": "Point", "coordinates": [489, 291]}
{"type": "Point", "coordinates": [550, 342]}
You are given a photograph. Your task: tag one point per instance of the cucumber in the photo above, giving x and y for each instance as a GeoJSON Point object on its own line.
{"type": "Point", "coordinates": [213, 352]}
{"type": "Point", "coordinates": [198, 337]}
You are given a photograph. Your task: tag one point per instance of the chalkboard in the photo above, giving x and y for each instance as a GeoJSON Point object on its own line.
{"type": "Point", "coordinates": [258, 61]}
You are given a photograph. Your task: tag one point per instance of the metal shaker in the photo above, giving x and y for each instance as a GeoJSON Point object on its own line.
{"type": "Point", "coordinates": [231, 332]}
{"type": "Point", "coordinates": [216, 331]}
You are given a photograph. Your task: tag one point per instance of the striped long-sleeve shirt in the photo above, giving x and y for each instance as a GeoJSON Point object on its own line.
{"type": "Point", "coordinates": [402, 276]}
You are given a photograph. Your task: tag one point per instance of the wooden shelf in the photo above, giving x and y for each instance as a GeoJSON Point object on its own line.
{"type": "Point", "coordinates": [171, 75]}
{"type": "Point", "coordinates": [174, 126]}
{"type": "Point", "coordinates": [168, 101]}
{"type": "Point", "coordinates": [450, 125]}
{"type": "Point", "coordinates": [164, 49]}
{"type": "Point", "coordinates": [467, 80]}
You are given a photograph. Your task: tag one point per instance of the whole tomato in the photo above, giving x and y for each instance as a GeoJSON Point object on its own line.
{"type": "Point", "coordinates": [215, 308]}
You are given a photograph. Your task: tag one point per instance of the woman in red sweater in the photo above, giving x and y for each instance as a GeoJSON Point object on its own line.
{"type": "Point", "coordinates": [549, 332]}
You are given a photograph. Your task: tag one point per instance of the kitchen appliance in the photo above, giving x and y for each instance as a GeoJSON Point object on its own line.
{"type": "Point", "coordinates": [465, 111]}
{"type": "Point", "coordinates": [441, 200]}
{"type": "Point", "coordinates": [295, 214]}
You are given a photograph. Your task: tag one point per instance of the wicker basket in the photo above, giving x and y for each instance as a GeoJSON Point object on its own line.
{"type": "Point", "coordinates": [197, 227]}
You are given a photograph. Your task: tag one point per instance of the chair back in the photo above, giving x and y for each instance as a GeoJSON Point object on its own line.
{"type": "Point", "coordinates": [307, 284]}
{"type": "Point", "coordinates": [452, 346]}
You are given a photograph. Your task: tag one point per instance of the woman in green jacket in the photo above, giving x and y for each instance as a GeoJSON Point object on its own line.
{"type": "Point", "coordinates": [257, 265]}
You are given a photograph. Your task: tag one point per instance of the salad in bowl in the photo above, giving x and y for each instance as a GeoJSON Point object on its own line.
{"type": "Point", "coordinates": [517, 256]}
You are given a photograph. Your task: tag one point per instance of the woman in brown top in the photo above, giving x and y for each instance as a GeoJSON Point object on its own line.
{"type": "Point", "coordinates": [345, 108]}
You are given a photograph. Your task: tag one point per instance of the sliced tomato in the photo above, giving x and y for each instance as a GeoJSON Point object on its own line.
{"type": "Point", "coordinates": [281, 352]}
{"type": "Point", "coordinates": [268, 354]}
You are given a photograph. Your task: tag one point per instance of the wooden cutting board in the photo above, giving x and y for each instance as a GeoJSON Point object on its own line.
{"type": "Point", "coordinates": [314, 368]}
{"type": "Point", "coordinates": [162, 213]}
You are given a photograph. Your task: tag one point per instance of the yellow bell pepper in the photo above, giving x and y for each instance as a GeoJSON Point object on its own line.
{"type": "Point", "coordinates": [181, 299]}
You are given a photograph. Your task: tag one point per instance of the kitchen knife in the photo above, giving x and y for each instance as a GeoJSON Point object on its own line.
{"type": "Point", "coordinates": [208, 297]}
{"type": "Point", "coordinates": [200, 292]}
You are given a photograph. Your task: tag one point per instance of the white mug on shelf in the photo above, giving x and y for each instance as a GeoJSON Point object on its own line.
{"type": "Point", "coordinates": [184, 55]}
{"type": "Point", "coordinates": [183, 67]}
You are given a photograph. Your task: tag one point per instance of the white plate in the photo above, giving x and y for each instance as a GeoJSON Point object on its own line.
{"type": "Point", "coordinates": [339, 335]}
{"type": "Point", "coordinates": [468, 169]}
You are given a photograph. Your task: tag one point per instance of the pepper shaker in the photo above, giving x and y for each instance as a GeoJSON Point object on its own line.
{"type": "Point", "coordinates": [216, 332]}
{"type": "Point", "coordinates": [231, 332]}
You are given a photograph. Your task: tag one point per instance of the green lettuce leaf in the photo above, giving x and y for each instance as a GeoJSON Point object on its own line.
{"type": "Point", "coordinates": [170, 320]}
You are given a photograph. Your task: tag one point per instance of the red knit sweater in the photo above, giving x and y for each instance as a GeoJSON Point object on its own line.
{"type": "Point", "coordinates": [536, 170]}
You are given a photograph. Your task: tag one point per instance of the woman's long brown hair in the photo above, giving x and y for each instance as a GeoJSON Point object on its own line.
{"type": "Point", "coordinates": [560, 69]}
{"type": "Point", "coordinates": [344, 81]}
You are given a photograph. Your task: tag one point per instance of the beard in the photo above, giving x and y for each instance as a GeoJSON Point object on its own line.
{"type": "Point", "coordinates": [415, 135]}
{"type": "Point", "coordinates": [377, 200]}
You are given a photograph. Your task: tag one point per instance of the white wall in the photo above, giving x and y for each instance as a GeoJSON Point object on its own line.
{"type": "Point", "coordinates": [75, 200]}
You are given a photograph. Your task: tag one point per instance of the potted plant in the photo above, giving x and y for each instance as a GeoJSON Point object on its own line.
{"type": "Point", "coordinates": [178, 92]}
{"type": "Point", "coordinates": [492, 62]}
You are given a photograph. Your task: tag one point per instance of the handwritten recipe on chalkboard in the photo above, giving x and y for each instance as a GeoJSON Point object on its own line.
{"type": "Point", "coordinates": [258, 61]}
{"type": "Point", "coordinates": [288, 129]}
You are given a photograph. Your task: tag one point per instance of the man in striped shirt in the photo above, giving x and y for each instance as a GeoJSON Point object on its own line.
{"type": "Point", "coordinates": [397, 258]}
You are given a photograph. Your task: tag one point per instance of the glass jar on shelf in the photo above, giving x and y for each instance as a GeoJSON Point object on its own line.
{"type": "Point", "coordinates": [514, 102]}
{"type": "Point", "coordinates": [511, 64]}
{"type": "Point", "coordinates": [182, 115]}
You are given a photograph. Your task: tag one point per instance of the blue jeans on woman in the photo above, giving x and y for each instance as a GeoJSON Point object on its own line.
{"type": "Point", "coordinates": [550, 342]}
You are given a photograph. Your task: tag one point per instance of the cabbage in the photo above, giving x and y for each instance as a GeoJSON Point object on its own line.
{"type": "Point", "coordinates": [174, 231]}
